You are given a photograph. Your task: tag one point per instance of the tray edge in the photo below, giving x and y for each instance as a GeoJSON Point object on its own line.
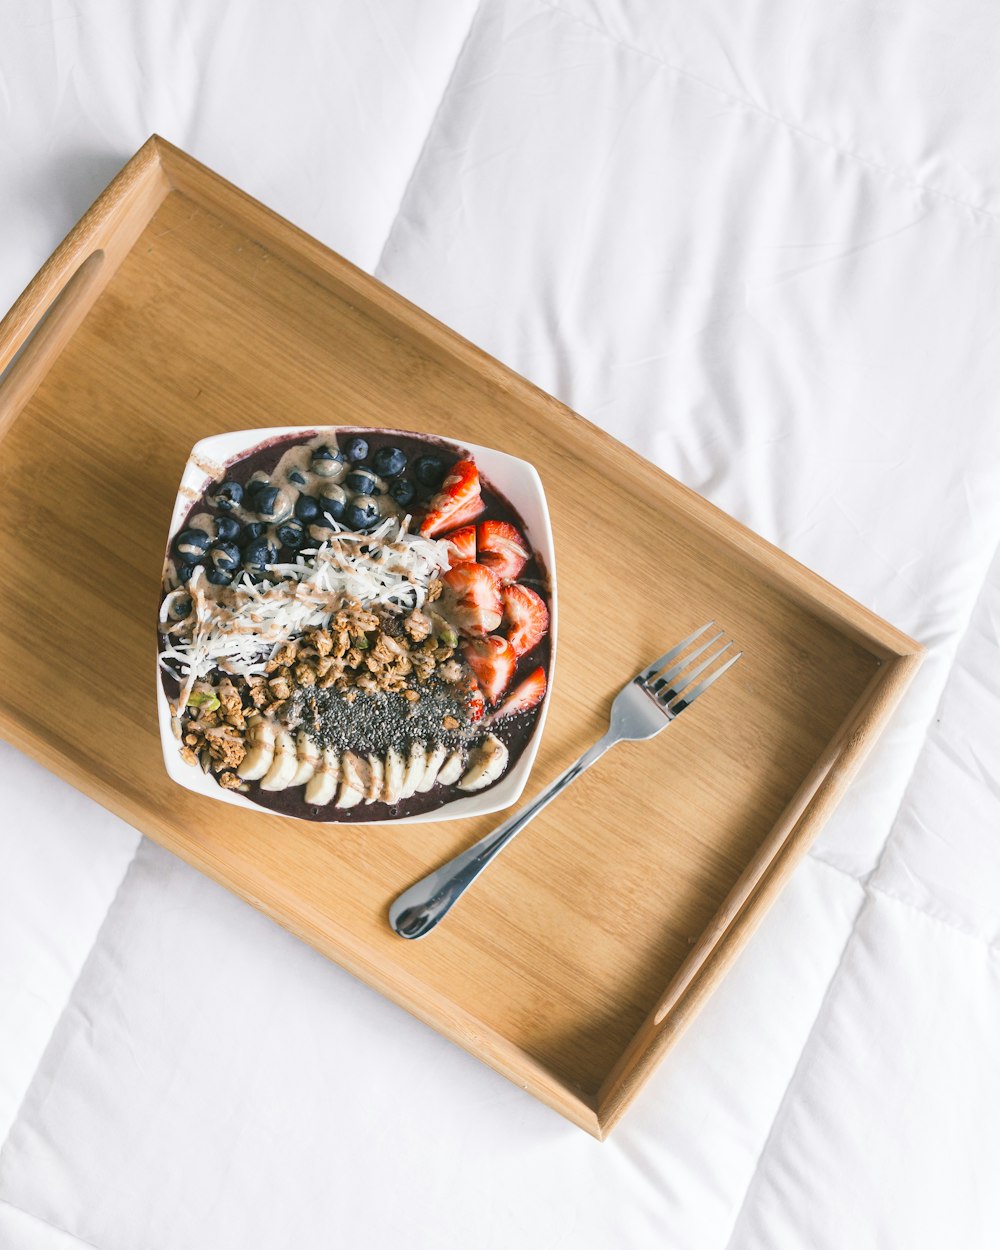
{"type": "Point", "coordinates": [757, 887]}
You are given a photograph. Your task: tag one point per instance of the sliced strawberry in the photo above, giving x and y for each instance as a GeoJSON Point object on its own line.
{"type": "Point", "coordinates": [524, 696]}
{"type": "Point", "coordinates": [526, 616]}
{"type": "Point", "coordinates": [502, 549]}
{"type": "Point", "coordinates": [493, 661]}
{"type": "Point", "coordinates": [453, 503]}
{"type": "Point", "coordinates": [476, 704]}
{"type": "Point", "coordinates": [467, 512]}
{"type": "Point", "coordinates": [478, 608]}
{"type": "Point", "coordinates": [464, 542]}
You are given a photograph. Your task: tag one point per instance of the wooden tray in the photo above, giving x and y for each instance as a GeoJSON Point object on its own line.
{"type": "Point", "coordinates": [178, 307]}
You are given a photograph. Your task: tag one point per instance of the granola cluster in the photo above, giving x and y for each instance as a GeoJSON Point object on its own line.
{"type": "Point", "coordinates": [214, 730]}
{"type": "Point", "coordinates": [373, 650]}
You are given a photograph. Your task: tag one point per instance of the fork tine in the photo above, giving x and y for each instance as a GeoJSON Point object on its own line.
{"type": "Point", "coordinates": [670, 693]}
{"type": "Point", "coordinates": [702, 686]}
{"type": "Point", "coordinates": [672, 654]}
{"type": "Point", "coordinates": [664, 679]}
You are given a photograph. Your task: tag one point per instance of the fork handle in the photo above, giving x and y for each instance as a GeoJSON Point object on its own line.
{"type": "Point", "coordinates": [425, 904]}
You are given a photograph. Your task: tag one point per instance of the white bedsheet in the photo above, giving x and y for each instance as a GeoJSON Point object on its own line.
{"type": "Point", "coordinates": [760, 242]}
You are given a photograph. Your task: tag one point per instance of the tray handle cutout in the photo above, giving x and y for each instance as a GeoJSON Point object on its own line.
{"type": "Point", "coordinates": [42, 341]}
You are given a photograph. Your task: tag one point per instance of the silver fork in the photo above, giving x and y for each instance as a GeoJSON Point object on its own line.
{"type": "Point", "coordinates": [650, 701]}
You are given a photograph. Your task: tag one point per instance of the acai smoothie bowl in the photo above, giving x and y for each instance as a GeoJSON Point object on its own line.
{"type": "Point", "coordinates": [355, 625]}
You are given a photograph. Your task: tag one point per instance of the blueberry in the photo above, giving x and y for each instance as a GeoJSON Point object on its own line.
{"type": "Point", "coordinates": [306, 507]}
{"type": "Point", "coordinates": [227, 528]}
{"type": "Point", "coordinates": [291, 534]}
{"type": "Point", "coordinates": [356, 449]}
{"type": "Point", "coordinates": [219, 577]}
{"type": "Point", "coordinates": [389, 461]}
{"type": "Point", "coordinates": [333, 502]}
{"type": "Point", "coordinates": [184, 572]}
{"type": "Point", "coordinates": [191, 545]}
{"type": "Point", "coordinates": [179, 608]}
{"type": "Point", "coordinates": [328, 462]}
{"type": "Point", "coordinates": [297, 477]}
{"type": "Point", "coordinates": [363, 514]}
{"type": "Point", "coordinates": [254, 487]}
{"type": "Point", "coordinates": [227, 496]}
{"type": "Point", "coordinates": [362, 481]}
{"type": "Point", "coordinates": [251, 531]}
{"type": "Point", "coordinates": [259, 553]}
{"type": "Point", "coordinates": [429, 471]}
{"type": "Point", "coordinates": [261, 493]}
{"type": "Point", "coordinates": [402, 492]}
{"type": "Point", "coordinates": [224, 557]}
{"type": "Point", "coordinates": [272, 504]}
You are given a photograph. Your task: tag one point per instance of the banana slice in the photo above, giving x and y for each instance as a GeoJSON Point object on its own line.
{"type": "Point", "coordinates": [260, 755]}
{"type": "Point", "coordinates": [348, 797]}
{"type": "Point", "coordinates": [486, 764]}
{"type": "Point", "coordinates": [284, 765]}
{"type": "Point", "coordinates": [392, 780]}
{"type": "Point", "coordinates": [355, 777]}
{"type": "Point", "coordinates": [435, 758]}
{"type": "Point", "coordinates": [355, 771]}
{"type": "Point", "coordinates": [308, 757]}
{"type": "Point", "coordinates": [377, 768]}
{"type": "Point", "coordinates": [451, 769]}
{"type": "Point", "coordinates": [416, 766]}
{"type": "Point", "coordinates": [322, 784]}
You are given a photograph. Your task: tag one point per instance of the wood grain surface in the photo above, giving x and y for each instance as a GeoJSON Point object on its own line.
{"type": "Point", "coordinates": [575, 962]}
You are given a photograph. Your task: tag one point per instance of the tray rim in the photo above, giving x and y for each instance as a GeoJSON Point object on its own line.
{"type": "Point", "coordinates": [108, 230]}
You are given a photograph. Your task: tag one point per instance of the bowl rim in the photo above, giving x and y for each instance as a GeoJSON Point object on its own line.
{"type": "Point", "coordinates": [202, 466]}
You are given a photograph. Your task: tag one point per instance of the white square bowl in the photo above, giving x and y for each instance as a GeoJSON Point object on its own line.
{"type": "Point", "coordinates": [516, 479]}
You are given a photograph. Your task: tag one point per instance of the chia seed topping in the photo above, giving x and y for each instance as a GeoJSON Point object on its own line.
{"type": "Point", "coordinates": [375, 720]}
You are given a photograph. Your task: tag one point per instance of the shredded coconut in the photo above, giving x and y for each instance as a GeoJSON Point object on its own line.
{"type": "Point", "coordinates": [237, 627]}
